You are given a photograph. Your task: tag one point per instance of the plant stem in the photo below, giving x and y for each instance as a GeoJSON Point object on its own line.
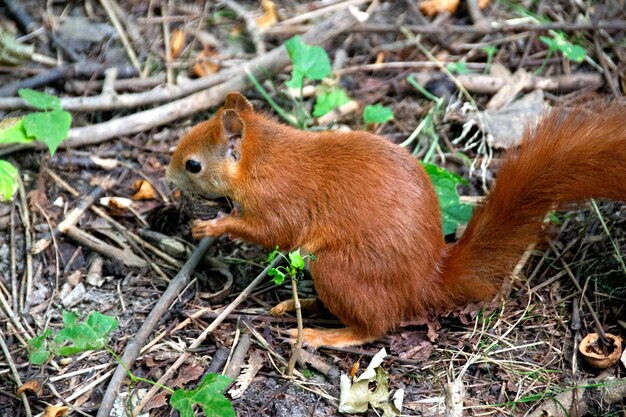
{"type": "Point", "coordinates": [298, 346]}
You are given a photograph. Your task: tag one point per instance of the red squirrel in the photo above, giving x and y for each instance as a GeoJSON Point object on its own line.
{"type": "Point", "coordinates": [368, 211]}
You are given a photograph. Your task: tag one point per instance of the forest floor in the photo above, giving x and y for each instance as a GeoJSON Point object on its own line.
{"type": "Point", "coordinates": [95, 228]}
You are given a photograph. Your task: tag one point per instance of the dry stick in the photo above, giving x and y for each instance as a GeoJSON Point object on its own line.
{"type": "Point", "coordinates": [223, 315]}
{"type": "Point", "coordinates": [116, 225]}
{"type": "Point", "coordinates": [127, 257]}
{"type": "Point", "coordinates": [74, 215]}
{"type": "Point", "coordinates": [133, 348]}
{"type": "Point", "coordinates": [16, 375]}
{"type": "Point", "coordinates": [122, 33]}
{"type": "Point", "coordinates": [27, 286]}
{"type": "Point", "coordinates": [594, 316]}
{"type": "Point", "coordinates": [165, 9]}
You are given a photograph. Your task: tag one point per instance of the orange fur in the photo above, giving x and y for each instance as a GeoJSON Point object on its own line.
{"type": "Point", "coordinates": [368, 211]}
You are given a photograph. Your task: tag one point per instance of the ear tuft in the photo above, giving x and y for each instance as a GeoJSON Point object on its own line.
{"type": "Point", "coordinates": [232, 125]}
{"type": "Point", "coordinates": [236, 101]}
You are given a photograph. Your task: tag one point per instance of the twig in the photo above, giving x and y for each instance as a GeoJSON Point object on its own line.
{"type": "Point", "coordinates": [133, 348]}
{"type": "Point", "coordinates": [165, 8]}
{"type": "Point", "coordinates": [303, 17]}
{"type": "Point", "coordinates": [27, 286]}
{"type": "Point", "coordinates": [223, 315]}
{"type": "Point", "coordinates": [128, 258]}
{"type": "Point", "coordinates": [120, 30]}
{"type": "Point", "coordinates": [590, 309]}
{"type": "Point", "coordinates": [16, 375]}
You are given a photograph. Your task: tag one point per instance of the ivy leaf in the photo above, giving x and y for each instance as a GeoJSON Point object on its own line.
{"type": "Point", "coordinates": [308, 61]}
{"type": "Point", "coordinates": [39, 100]}
{"type": "Point", "coordinates": [377, 113]}
{"type": "Point", "coordinates": [272, 255]}
{"type": "Point", "coordinates": [328, 101]}
{"type": "Point", "coordinates": [12, 131]}
{"type": "Point", "coordinates": [277, 275]}
{"type": "Point", "coordinates": [209, 395]}
{"type": "Point", "coordinates": [48, 127]}
{"type": "Point", "coordinates": [453, 212]}
{"type": "Point", "coordinates": [91, 335]}
{"type": "Point", "coordinates": [38, 352]}
{"type": "Point", "coordinates": [8, 180]}
{"type": "Point", "coordinates": [295, 260]}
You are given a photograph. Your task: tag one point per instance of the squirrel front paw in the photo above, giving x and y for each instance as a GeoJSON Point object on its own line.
{"type": "Point", "coordinates": [208, 228]}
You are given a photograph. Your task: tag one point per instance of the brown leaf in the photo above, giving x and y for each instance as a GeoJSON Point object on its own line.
{"type": "Point", "coordinates": [30, 385]}
{"type": "Point", "coordinates": [158, 401]}
{"type": "Point", "coordinates": [203, 66]}
{"type": "Point", "coordinates": [188, 374]}
{"type": "Point", "coordinates": [144, 189]}
{"type": "Point", "coordinates": [55, 411]}
{"type": "Point", "coordinates": [270, 17]}
{"type": "Point", "coordinates": [433, 7]}
{"type": "Point", "coordinates": [177, 43]}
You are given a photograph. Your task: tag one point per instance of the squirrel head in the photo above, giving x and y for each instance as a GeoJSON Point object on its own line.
{"type": "Point", "coordinates": [206, 159]}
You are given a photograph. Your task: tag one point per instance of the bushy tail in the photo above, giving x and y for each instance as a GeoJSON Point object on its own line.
{"type": "Point", "coordinates": [570, 156]}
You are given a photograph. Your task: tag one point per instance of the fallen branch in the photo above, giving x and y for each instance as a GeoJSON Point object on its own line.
{"type": "Point", "coordinates": [133, 348]}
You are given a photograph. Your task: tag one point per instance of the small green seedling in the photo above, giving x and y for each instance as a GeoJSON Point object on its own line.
{"type": "Point", "coordinates": [329, 101]}
{"type": "Point", "coordinates": [453, 212]}
{"type": "Point", "coordinates": [295, 265]}
{"type": "Point", "coordinates": [94, 333]}
{"type": "Point", "coordinates": [308, 61]}
{"type": "Point", "coordinates": [458, 68]}
{"type": "Point", "coordinates": [491, 51]}
{"type": "Point", "coordinates": [558, 42]}
{"type": "Point", "coordinates": [50, 126]}
{"type": "Point", "coordinates": [377, 113]}
{"type": "Point", "coordinates": [209, 395]}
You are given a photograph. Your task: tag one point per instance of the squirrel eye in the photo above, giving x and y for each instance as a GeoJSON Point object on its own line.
{"type": "Point", "coordinates": [193, 166]}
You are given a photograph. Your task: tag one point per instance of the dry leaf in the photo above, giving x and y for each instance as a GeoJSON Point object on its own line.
{"type": "Point", "coordinates": [203, 66]}
{"type": "Point", "coordinates": [30, 385]}
{"type": "Point", "coordinates": [144, 189]}
{"type": "Point", "coordinates": [158, 401]}
{"type": "Point", "coordinates": [188, 374]}
{"type": "Point", "coordinates": [255, 363]}
{"type": "Point", "coordinates": [55, 411]}
{"type": "Point", "coordinates": [433, 7]}
{"type": "Point", "coordinates": [177, 43]}
{"type": "Point", "coordinates": [269, 17]}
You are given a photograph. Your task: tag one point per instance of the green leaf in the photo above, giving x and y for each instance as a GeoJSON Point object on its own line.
{"type": "Point", "coordinates": [575, 53]}
{"type": "Point", "coordinates": [41, 101]}
{"type": "Point", "coordinates": [91, 335]}
{"type": "Point", "coordinates": [272, 255]}
{"type": "Point", "coordinates": [209, 395]}
{"type": "Point", "coordinates": [377, 113]}
{"type": "Point", "coordinates": [38, 353]}
{"type": "Point", "coordinates": [458, 68]}
{"type": "Point", "coordinates": [50, 127]}
{"type": "Point", "coordinates": [277, 275]}
{"type": "Point", "coordinates": [8, 180]}
{"type": "Point", "coordinates": [308, 61]}
{"type": "Point", "coordinates": [453, 212]}
{"type": "Point", "coordinates": [12, 131]}
{"type": "Point", "coordinates": [328, 101]}
{"type": "Point", "coordinates": [295, 260]}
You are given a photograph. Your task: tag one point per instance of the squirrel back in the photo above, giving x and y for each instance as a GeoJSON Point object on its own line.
{"type": "Point", "coordinates": [368, 211]}
{"type": "Point", "coordinates": [568, 157]}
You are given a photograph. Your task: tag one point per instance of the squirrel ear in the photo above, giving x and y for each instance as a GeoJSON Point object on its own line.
{"type": "Point", "coordinates": [232, 125]}
{"type": "Point", "coordinates": [236, 101]}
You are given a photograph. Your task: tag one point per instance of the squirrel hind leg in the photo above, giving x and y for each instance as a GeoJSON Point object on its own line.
{"type": "Point", "coordinates": [347, 336]}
